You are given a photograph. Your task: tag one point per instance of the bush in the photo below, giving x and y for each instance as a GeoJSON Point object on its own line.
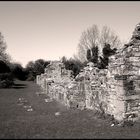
{"type": "Point", "coordinates": [6, 83]}
{"type": "Point", "coordinates": [74, 65]}
{"type": "Point", "coordinates": [6, 80]}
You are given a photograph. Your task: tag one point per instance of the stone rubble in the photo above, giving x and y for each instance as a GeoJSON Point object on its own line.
{"type": "Point", "coordinates": [114, 91]}
{"type": "Point", "coordinates": [57, 114]}
{"type": "Point", "coordinates": [23, 102]}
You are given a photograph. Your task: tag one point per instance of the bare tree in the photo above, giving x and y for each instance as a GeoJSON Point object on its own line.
{"type": "Point", "coordinates": [92, 37]}
{"type": "Point", "coordinates": [81, 53]}
{"type": "Point", "coordinates": [89, 38]}
{"type": "Point", "coordinates": [3, 55]}
{"type": "Point", "coordinates": [109, 37]}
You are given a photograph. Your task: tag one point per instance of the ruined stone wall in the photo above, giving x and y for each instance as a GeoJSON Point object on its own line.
{"type": "Point", "coordinates": [132, 81]}
{"type": "Point", "coordinates": [95, 88]}
{"type": "Point", "coordinates": [102, 90]}
{"type": "Point", "coordinates": [55, 81]}
{"type": "Point", "coordinates": [124, 75]}
{"type": "Point", "coordinates": [115, 90]}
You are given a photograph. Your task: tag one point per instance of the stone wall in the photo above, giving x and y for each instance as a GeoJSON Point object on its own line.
{"type": "Point", "coordinates": [115, 90]}
{"type": "Point", "coordinates": [55, 81]}
{"type": "Point", "coordinates": [125, 68]}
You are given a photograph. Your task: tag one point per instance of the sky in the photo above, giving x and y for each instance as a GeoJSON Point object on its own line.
{"type": "Point", "coordinates": [49, 30]}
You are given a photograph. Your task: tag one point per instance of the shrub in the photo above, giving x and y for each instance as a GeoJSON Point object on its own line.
{"type": "Point", "coordinates": [6, 80]}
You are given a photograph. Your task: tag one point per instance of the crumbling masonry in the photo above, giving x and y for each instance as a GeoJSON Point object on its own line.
{"type": "Point", "coordinates": [114, 91]}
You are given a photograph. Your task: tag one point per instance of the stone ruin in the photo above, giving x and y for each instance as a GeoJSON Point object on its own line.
{"type": "Point", "coordinates": [55, 80]}
{"type": "Point", "coordinates": [114, 91]}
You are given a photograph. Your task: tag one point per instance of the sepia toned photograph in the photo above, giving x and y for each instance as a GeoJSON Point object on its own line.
{"type": "Point", "coordinates": [69, 69]}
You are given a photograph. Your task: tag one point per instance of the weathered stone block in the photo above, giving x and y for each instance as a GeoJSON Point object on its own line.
{"type": "Point", "coordinates": [133, 97]}
{"type": "Point", "coordinates": [120, 77]}
{"type": "Point", "coordinates": [134, 59]}
{"type": "Point", "coordinates": [137, 54]}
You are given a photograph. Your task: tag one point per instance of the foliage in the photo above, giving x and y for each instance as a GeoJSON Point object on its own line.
{"type": "Point", "coordinates": [28, 73]}
{"type": "Point", "coordinates": [72, 64]}
{"type": "Point", "coordinates": [92, 56]}
{"type": "Point", "coordinates": [89, 55]}
{"type": "Point", "coordinates": [4, 68]}
{"type": "Point", "coordinates": [35, 68]}
{"type": "Point", "coordinates": [6, 80]}
{"type": "Point", "coordinates": [18, 71]}
{"type": "Point", "coordinates": [39, 66]}
{"type": "Point", "coordinates": [107, 52]}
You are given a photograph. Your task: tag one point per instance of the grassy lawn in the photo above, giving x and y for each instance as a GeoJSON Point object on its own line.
{"type": "Point", "coordinates": [17, 122]}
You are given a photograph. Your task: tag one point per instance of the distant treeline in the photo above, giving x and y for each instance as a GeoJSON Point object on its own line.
{"type": "Point", "coordinates": [28, 73]}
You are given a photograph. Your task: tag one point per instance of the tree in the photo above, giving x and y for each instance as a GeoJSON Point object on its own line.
{"type": "Point", "coordinates": [3, 55]}
{"type": "Point", "coordinates": [6, 78]}
{"type": "Point", "coordinates": [89, 55]}
{"type": "Point", "coordinates": [40, 65]}
{"type": "Point", "coordinates": [36, 68]}
{"type": "Point", "coordinates": [4, 68]}
{"type": "Point", "coordinates": [91, 38]}
{"type": "Point", "coordinates": [18, 71]}
{"type": "Point", "coordinates": [72, 64]}
{"type": "Point", "coordinates": [88, 39]}
{"type": "Point", "coordinates": [109, 37]}
{"type": "Point", "coordinates": [94, 57]}
{"type": "Point", "coordinates": [107, 52]}
{"type": "Point", "coordinates": [30, 66]}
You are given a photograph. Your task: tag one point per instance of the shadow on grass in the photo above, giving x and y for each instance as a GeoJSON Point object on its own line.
{"type": "Point", "coordinates": [19, 86]}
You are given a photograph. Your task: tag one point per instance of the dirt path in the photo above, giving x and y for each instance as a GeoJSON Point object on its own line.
{"type": "Point", "coordinates": [25, 114]}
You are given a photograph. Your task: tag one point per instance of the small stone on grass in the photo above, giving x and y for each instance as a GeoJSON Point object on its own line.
{"type": "Point", "coordinates": [30, 109]}
{"type": "Point", "coordinates": [57, 113]}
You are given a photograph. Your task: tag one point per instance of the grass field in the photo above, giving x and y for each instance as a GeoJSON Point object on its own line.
{"type": "Point", "coordinates": [18, 123]}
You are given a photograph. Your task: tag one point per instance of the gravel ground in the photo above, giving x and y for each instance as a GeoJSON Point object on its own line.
{"type": "Point", "coordinates": [26, 114]}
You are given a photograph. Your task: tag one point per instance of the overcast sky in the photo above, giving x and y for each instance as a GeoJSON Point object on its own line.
{"type": "Point", "coordinates": [50, 30]}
